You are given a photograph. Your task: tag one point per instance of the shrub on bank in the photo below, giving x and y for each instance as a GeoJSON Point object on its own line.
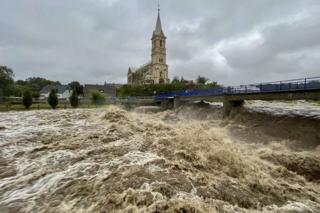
{"type": "Point", "coordinates": [74, 99]}
{"type": "Point", "coordinates": [97, 98]}
{"type": "Point", "coordinates": [152, 89]}
{"type": "Point", "coordinates": [27, 99]}
{"type": "Point", "coordinates": [53, 99]}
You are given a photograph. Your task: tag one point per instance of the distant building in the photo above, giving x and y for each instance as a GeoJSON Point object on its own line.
{"type": "Point", "coordinates": [62, 91]}
{"type": "Point", "coordinates": [155, 71]}
{"type": "Point", "coordinates": [109, 90]}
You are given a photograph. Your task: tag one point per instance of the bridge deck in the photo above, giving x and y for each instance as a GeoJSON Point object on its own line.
{"type": "Point", "coordinates": [290, 95]}
{"type": "Point", "coordinates": [297, 89]}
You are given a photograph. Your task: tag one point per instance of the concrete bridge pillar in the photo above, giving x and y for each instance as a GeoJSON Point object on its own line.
{"type": "Point", "coordinates": [164, 104]}
{"type": "Point", "coordinates": [167, 104]}
{"type": "Point", "coordinates": [177, 102]}
{"type": "Point", "coordinates": [228, 106]}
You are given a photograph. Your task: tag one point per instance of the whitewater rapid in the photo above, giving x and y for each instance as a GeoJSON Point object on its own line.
{"type": "Point", "coordinates": [189, 160]}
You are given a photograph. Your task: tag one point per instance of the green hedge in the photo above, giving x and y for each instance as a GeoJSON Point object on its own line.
{"type": "Point", "coordinates": [97, 98]}
{"type": "Point", "coordinates": [150, 90]}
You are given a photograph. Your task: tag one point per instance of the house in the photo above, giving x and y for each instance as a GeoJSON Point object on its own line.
{"type": "Point", "coordinates": [108, 90]}
{"type": "Point", "coordinates": [62, 91]}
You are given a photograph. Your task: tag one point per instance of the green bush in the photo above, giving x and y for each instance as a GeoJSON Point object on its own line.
{"type": "Point", "coordinates": [74, 99]}
{"type": "Point", "coordinates": [53, 99]}
{"type": "Point", "coordinates": [152, 89]}
{"type": "Point", "coordinates": [27, 99]}
{"type": "Point", "coordinates": [97, 98]}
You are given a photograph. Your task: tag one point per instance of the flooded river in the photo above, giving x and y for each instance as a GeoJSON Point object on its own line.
{"type": "Point", "coordinates": [188, 160]}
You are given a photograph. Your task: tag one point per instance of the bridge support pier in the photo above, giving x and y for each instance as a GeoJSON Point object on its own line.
{"type": "Point", "coordinates": [164, 104]}
{"type": "Point", "coordinates": [228, 106]}
{"type": "Point", "coordinates": [177, 102]}
{"type": "Point", "coordinates": [167, 104]}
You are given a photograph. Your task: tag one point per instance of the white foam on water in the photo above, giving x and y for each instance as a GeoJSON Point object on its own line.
{"type": "Point", "coordinates": [293, 108]}
{"type": "Point", "coordinates": [51, 149]}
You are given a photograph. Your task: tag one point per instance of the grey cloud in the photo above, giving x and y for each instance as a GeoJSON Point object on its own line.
{"type": "Point", "coordinates": [97, 40]}
{"type": "Point", "coordinates": [284, 51]}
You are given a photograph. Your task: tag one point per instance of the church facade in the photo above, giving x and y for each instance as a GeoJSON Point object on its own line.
{"type": "Point", "coordinates": [155, 71]}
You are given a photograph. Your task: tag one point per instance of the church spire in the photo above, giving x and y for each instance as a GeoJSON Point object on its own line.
{"type": "Point", "coordinates": [158, 30]}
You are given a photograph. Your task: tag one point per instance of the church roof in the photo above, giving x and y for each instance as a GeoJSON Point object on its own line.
{"type": "Point", "coordinates": [141, 69]}
{"type": "Point", "coordinates": [158, 31]}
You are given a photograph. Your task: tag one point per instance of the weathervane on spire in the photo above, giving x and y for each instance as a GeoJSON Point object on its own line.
{"type": "Point", "coordinates": [158, 6]}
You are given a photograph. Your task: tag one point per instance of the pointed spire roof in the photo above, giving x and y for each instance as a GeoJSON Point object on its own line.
{"type": "Point", "coordinates": [158, 31]}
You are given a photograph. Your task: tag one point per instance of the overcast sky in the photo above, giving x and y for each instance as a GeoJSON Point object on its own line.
{"type": "Point", "coordinates": [92, 41]}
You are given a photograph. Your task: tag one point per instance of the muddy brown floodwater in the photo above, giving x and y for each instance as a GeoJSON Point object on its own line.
{"type": "Point", "coordinates": [190, 160]}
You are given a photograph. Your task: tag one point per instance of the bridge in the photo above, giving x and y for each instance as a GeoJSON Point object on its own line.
{"type": "Point", "coordinates": [232, 97]}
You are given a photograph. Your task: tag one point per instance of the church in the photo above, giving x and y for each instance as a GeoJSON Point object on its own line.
{"type": "Point", "coordinates": [155, 71]}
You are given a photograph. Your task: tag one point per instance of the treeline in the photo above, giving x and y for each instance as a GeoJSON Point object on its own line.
{"type": "Point", "coordinates": [96, 99]}
{"type": "Point", "coordinates": [175, 85]}
{"type": "Point", "coordinates": [34, 85]}
{"type": "Point", "coordinates": [10, 87]}
{"type": "Point", "coordinates": [29, 89]}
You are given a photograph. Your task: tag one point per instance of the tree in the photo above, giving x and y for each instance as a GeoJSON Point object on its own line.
{"type": "Point", "coordinates": [75, 85]}
{"type": "Point", "coordinates": [6, 80]}
{"type": "Point", "coordinates": [183, 81]}
{"type": "Point", "coordinates": [36, 95]}
{"type": "Point", "coordinates": [202, 80]}
{"type": "Point", "coordinates": [74, 99]}
{"type": "Point", "coordinates": [53, 98]}
{"type": "Point", "coordinates": [27, 99]}
{"type": "Point", "coordinates": [175, 80]}
{"type": "Point", "coordinates": [97, 98]}
{"type": "Point", "coordinates": [35, 84]}
{"type": "Point", "coordinates": [213, 85]}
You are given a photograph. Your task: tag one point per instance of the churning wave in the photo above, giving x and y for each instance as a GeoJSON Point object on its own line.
{"type": "Point", "coordinates": [188, 160]}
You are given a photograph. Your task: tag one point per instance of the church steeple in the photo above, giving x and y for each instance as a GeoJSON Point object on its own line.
{"type": "Point", "coordinates": [156, 71]}
{"type": "Point", "coordinates": [158, 31]}
{"type": "Point", "coordinates": [159, 53]}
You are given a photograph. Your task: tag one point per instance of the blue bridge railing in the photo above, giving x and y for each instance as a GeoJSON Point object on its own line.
{"type": "Point", "coordinates": [303, 84]}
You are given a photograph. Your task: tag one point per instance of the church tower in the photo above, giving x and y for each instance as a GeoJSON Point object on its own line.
{"type": "Point", "coordinates": [158, 54]}
{"type": "Point", "coordinates": [156, 71]}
